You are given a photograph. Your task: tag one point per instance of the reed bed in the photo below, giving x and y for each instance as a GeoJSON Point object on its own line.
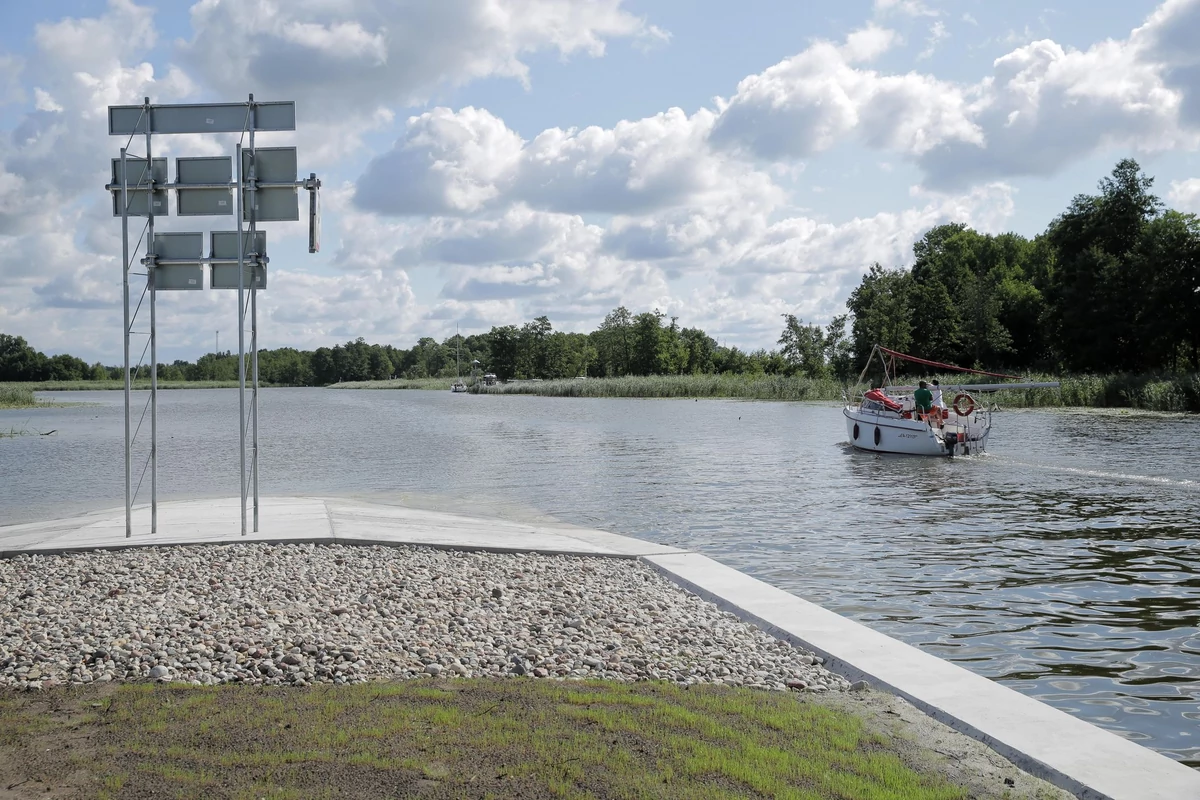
{"type": "Point", "coordinates": [397, 383]}
{"type": "Point", "coordinates": [140, 384]}
{"type": "Point", "coordinates": [17, 397]}
{"type": "Point", "coordinates": [750, 387]}
{"type": "Point", "coordinates": [1166, 393]}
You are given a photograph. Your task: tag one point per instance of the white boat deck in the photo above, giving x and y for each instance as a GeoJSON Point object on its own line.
{"type": "Point", "coordinates": [1051, 744]}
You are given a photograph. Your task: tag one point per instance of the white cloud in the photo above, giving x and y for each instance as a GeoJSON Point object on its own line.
{"type": "Point", "coordinates": [869, 43]}
{"type": "Point", "coordinates": [312, 309]}
{"type": "Point", "coordinates": [95, 44]}
{"type": "Point", "coordinates": [468, 161]}
{"type": "Point", "coordinates": [50, 157]}
{"type": "Point", "coordinates": [1185, 195]}
{"type": "Point", "coordinates": [345, 59]}
{"type": "Point", "coordinates": [812, 101]}
{"type": "Point", "coordinates": [1045, 105]}
{"type": "Point", "coordinates": [1042, 105]}
{"type": "Point", "coordinates": [1169, 39]}
{"type": "Point", "coordinates": [937, 35]}
{"type": "Point", "coordinates": [448, 162]}
{"type": "Point", "coordinates": [911, 8]}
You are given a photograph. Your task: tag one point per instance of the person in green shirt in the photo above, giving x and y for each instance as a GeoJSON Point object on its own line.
{"type": "Point", "coordinates": [923, 398]}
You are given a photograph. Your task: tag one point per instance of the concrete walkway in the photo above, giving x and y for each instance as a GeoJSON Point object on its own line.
{"type": "Point", "coordinates": [1041, 740]}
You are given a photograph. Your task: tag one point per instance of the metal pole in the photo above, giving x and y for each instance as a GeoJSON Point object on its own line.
{"type": "Point", "coordinates": [254, 398]}
{"type": "Point", "coordinates": [254, 309]}
{"type": "Point", "coordinates": [241, 338]}
{"type": "Point", "coordinates": [125, 299]}
{"type": "Point", "coordinates": [153, 331]}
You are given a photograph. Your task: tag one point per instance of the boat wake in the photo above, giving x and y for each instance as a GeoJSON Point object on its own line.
{"type": "Point", "coordinates": [1160, 480]}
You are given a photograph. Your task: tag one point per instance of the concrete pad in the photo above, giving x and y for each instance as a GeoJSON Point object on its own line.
{"type": "Point", "coordinates": [391, 524]}
{"type": "Point", "coordinates": [308, 519]}
{"type": "Point", "coordinates": [180, 522]}
{"type": "Point", "coordinates": [1040, 739]}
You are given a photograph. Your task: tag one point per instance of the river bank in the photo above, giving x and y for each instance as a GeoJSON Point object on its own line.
{"type": "Point", "coordinates": [1166, 393]}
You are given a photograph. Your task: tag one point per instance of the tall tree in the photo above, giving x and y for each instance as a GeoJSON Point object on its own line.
{"type": "Point", "coordinates": [839, 350]}
{"type": "Point", "coordinates": [502, 350]}
{"type": "Point", "coordinates": [1096, 295]}
{"type": "Point", "coordinates": [614, 342]}
{"type": "Point", "coordinates": [803, 347]}
{"type": "Point", "coordinates": [20, 362]}
{"type": "Point", "coordinates": [882, 309]}
{"type": "Point", "coordinates": [1167, 256]}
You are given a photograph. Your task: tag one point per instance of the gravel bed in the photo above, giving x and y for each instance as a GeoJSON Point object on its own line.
{"type": "Point", "coordinates": [300, 614]}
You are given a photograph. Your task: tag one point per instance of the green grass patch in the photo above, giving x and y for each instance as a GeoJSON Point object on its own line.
{"type": "Point", "coordinates": [749, 387]}
{"type": "Point", "coordinates": [472, 738]}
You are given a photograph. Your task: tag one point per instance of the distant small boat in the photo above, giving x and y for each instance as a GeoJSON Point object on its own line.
{"type": "Point", "coordinates": [885, 420]}
{"type": "Point", "coordinates": [458, 386]}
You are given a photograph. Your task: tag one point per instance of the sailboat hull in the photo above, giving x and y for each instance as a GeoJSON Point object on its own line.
{"type": "Point", "coordinates": [889, 432]}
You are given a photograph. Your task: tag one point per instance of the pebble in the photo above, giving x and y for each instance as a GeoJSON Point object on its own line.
{"type": "Point", "coordinates": [304, 614]}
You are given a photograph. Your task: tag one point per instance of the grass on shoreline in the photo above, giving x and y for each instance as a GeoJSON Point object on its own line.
{"type": "Point", "coordinates": [1167, 393]}
{"type": "Point", "coordinates": [439, 384]}
{"type": "Point", "coordinates": [1178, 393]}
{"type": "Point", "coordinates": [17, 397]}
{"type": "Point", "coordinates": [750, 387]}
{"type": "Point", "coordinates": [462, 738]}
{"type": "Point", "coordinates": [107, 385]}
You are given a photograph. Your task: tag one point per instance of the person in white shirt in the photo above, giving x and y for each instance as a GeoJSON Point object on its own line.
{"type": "Point", "coordinates": [939, 408]}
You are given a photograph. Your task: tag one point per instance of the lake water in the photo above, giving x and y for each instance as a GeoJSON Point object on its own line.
{"type": "Point", "coordinates": [1064, 563]}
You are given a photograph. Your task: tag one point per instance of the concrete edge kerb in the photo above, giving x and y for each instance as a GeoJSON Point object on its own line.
{"type": "Point", "coordinates": [1026, 762]}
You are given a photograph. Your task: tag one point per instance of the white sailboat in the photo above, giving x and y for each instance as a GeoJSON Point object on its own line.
{"type": "Point", "coordinates": [886, 420]}
{"type": "Point", "coordinates": [458, 385]}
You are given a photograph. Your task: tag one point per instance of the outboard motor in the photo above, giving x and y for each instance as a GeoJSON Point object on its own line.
{"type": "Point", "coordinates": [951, 442]}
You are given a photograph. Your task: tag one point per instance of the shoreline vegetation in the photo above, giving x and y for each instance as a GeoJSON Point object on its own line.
{"type": "Point", "coordinates": [17, 397]}
{"type": "Point", "coordinates": [141, 384]}
{"type": "Point", "coordinates": [1165, 393]}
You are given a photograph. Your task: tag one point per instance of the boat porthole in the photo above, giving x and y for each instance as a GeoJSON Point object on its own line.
{"type": "Point", "coordinates": [877, 437]}
{"type": "Point", "coordinates": [856, 431]}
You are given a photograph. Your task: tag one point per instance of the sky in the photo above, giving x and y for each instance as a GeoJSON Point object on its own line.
{"type": "Point", "coordinates": [486, 162]}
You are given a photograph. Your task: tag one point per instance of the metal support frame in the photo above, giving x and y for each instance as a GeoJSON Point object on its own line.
{"type": "Point", "coordinates": [175, 119]}
{"type": "Point", "coordinates": [253, 317]}
{"type": "Point", "coordinates": [125, 302]}
{"type": "Point", "coordinates": [150, 276]}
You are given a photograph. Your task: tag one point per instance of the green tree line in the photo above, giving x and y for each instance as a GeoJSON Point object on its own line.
{"type": "Point", "coordinates": [1111, 285]}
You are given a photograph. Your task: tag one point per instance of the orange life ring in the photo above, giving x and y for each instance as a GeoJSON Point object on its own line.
{"type": "Point", "coordinates": [970, 404]}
